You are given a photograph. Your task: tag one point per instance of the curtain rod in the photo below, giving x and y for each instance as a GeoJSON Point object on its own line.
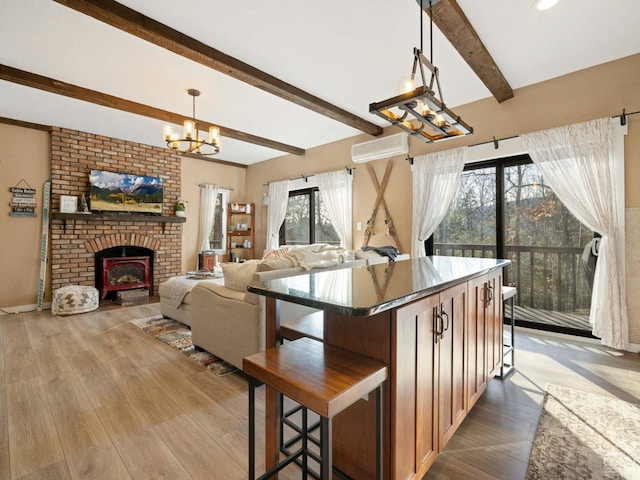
{"type": "Point", "coordinates": [305, 177]}
{"type": "Point", "coordinates": [494, 141]}
{"type": "Point", "coordinates": [222, 188]}
{"type": "Point", "coordinates": [623, 121]}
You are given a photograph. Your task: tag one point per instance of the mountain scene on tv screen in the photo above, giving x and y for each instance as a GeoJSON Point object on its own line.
{"type": "Point", "coordinates": [125, 193]}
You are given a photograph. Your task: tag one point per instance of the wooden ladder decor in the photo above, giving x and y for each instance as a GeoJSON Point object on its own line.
{"type": "Point", "coordinates": [380, 188]}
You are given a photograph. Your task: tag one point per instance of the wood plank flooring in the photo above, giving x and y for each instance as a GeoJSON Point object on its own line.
{"type": "Point", "coordinates": [92, 396]}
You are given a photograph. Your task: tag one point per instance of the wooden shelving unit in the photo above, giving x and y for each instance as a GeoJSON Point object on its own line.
{"type": "Point", "coordinates": [243, 239]}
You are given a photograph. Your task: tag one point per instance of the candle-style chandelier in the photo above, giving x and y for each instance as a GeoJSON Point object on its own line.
{"type": "Point", "coordinates": [190, 142]}
{"type": "Point", "coordinates": [419, 111]}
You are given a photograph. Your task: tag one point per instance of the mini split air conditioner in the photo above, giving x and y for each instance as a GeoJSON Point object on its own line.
{"type": "Point", "coordinates": [397, 144]}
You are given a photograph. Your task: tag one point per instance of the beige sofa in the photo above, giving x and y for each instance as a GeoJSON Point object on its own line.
{"type": "Point", "coordinates": [175, 294]}
{"type": "Point", "coordinates": [228, 321]}
{"type": "Point", "coordinates": [176, 298]}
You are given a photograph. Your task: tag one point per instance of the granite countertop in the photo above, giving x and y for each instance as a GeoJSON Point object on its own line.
{"type": "Point", "coordinates": [374, 289]}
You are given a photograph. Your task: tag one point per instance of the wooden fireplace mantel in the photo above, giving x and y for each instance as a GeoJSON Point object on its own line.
{"type": "Point", "coordinates": [116, 217]}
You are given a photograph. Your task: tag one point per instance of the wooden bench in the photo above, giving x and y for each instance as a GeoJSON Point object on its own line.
{"type": "Point", "coordinates": [321, 378]}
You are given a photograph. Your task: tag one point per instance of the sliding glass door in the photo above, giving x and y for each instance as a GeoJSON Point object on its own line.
{"type": "Point", "coordinates": [503, 209]}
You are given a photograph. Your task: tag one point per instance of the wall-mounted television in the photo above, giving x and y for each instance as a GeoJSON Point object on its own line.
{"type": "Point", "coordinates": [123, 192]}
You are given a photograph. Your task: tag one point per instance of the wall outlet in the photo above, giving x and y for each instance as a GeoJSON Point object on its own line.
{"type": "Point", "coordinates": [358, 226]}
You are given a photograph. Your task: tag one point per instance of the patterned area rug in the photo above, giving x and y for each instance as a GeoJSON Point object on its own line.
{"type": "Point", "coordinates": [585, 436]}
{"type": "Point", "coordinates": [178, 336]}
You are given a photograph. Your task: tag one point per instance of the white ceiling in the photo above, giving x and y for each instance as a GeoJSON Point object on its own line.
{"type": "Point", "coordinates": [349, 53]}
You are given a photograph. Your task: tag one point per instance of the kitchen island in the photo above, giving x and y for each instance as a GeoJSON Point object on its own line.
{"type": "Point", "coordinates": [436, 322]}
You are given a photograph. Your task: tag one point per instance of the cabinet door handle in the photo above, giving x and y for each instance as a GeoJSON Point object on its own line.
{"type": "Point", "coordinates": [445, 315]}
{"type": "Point", "coordinates": [437, 325]}
{"type": "Point", "coordinates": [489, 294]}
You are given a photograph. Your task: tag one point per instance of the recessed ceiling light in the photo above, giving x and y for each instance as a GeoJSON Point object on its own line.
{"type": "Point", "coordinates": [545, 4]}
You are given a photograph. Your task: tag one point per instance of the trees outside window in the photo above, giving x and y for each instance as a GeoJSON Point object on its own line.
{"type": "Point", "coordinates": [306, 220]}
{"type": "Point", "coordinates": [503, 209]}
{"type": "Point", "coordinates": [217, 238]}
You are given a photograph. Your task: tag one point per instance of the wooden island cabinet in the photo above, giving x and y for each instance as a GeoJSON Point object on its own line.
{"type": "Point", "coordinates": [435, 321]}
{"type": "Point", "coordinates": [430, 378]}
{"type": "Point", "coordinates": [483, 333]}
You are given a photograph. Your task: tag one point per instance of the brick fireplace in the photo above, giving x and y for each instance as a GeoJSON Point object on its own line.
{"type": "Point", "coordinates": [75, 243]}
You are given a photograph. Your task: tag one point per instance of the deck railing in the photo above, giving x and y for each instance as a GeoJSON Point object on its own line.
{"type": "Point", "coordinates": [549, 278]}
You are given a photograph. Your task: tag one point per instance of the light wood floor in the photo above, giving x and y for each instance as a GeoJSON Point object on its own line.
{"type": "Point", "coordinates": [92, 396]}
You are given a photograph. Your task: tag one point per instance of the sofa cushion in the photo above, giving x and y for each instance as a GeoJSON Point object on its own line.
{"type": "Point", "coordinates": [275, 263]}
{"type": "Point", "coordinates": [238, 275]}
{"type": "Point", "coordinates": [220, 291]}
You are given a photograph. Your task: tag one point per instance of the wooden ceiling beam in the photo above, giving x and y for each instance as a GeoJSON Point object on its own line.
{"type": "Point", "coordinates": [20, 123]}
{"type": "Point", "coordinates": [455, 26]}
{"type": "Point", "coordinates": [130, 21]}
{"type": "Point", "coordinates": [58, 87]}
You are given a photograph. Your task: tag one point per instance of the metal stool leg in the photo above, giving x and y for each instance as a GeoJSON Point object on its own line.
{"type": "Point", "coordinates": [379, 433]}
{"type": "Point", "coordinates": [252, 429]}
{"type": "Point", "coordinates": [513, 338]}
{"type": "Point", "coordinates": [305, 445]}
{"type": "Point", "coordinates": [326, 453]}
{"type": "Point", "coordinates": [508, 349]}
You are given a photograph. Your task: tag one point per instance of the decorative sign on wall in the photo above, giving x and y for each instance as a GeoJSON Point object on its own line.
{"type": "Point", "coordinates": [23, 203]}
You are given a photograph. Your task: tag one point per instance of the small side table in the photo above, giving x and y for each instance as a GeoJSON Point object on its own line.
{"type": "Point", "coordinates": [508, 349]}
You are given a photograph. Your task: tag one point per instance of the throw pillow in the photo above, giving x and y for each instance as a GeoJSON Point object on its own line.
{"type": "Point", "coordinates": [238, 275]}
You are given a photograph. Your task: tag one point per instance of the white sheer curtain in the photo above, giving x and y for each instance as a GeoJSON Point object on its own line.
{"type": "Point", "coordinates": [577, 162]}
{"type": "Point", "coordinates": [336, 190]}
{"type": "Point", "coordinates": [208, 197]}
{"type": "Point", "coordinates": [278, 199]}
{"type": "Point", "coordinates": [435, 180]}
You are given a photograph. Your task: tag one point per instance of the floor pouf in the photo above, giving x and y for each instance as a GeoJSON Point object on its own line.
{"type": "Point", "coordinates": [74, 299]}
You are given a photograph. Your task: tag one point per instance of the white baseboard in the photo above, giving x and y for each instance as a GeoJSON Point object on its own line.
{"type": "Point", "coordinates": [634, 348]}
{"type": "Point", "coordinates": [24, 308]}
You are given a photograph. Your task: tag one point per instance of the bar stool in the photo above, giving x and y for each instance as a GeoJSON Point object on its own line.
{"type": "Point", "coordinates": [508, 349]}
{"type": "Point", "coordinates": [321, 378]}
{"type": "Point", "coordinates": [311, 326]}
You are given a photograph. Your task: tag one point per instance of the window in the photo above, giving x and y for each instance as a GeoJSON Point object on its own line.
{"type": "Point", "coordinates": [503, 209]}
{"type": "Point", "coordinates": [306, 220]}
{"type": "Point", "coordinates": [217, 237]}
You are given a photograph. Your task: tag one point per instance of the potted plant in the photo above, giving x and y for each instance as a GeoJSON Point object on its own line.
{"type": "Point", "coordinates": [181, 207]}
